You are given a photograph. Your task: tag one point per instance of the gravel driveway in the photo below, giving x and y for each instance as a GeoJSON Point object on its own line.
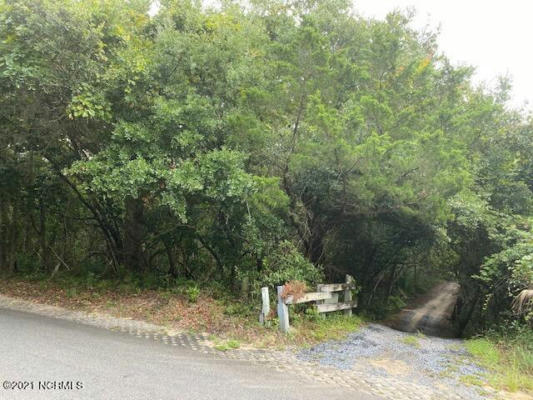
{"type": "Point", "coordinates": [381, 353]}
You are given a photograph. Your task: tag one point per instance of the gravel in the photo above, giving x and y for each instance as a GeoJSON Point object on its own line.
{"type": "Point", "coordinates": [379, 351]}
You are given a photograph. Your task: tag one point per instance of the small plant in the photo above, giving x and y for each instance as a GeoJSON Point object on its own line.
{"type": "Point", "coordinates": [472, 380]}
{"type": "Point", "coordinates": [420, 334]}
{"type": "Point", "coordinates": [228, 345]}
{"type": "Point", "coordinates": [312, 313]}
{"type": "Point", "coordinates": [221, 347]}
{"type": "Point", "coordinates": [192, 293]}
{"type": "Point", "coordinates": [411, 341]}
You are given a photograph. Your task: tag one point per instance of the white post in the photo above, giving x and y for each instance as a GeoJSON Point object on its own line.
{"type": "Point", "coordinates": [319, 289]}
{"type": "Point", "coordinates": [348, 294]}
{"type": "Point", "coordinates": [283, 312]}
{"type": "Point", "coordinates": [265, 309]}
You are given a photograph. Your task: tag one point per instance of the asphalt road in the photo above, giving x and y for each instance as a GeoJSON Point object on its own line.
{"type": "Point", "coordinates": [111, 365]}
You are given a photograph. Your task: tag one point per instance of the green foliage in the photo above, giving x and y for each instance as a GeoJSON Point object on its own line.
{"type": "Point", "coordinates": [333, 327]}
{"type": "Point", "coordinates": [231, 344]}
{"type": "Point", "coordinates": [285, 263]}
{"type": "Point", "coordinates": [411, 341]}
{"type": "Point", "coordinates": [256, 147]}
{"type": "Point", "coordinates": [508, 356]}
{"type": "Point", "coordinates": [192, 293]}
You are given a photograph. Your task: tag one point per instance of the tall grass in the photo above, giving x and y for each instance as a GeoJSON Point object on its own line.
{"type": "Point", "coordinates": [507, 357]}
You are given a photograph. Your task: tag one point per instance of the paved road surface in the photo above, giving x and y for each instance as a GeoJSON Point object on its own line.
{"type": "Point", "coordinates": [111, 366]}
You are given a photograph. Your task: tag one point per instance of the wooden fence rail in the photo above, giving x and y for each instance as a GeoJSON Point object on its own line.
{"type": "Point", "coordinates": [326, 297]}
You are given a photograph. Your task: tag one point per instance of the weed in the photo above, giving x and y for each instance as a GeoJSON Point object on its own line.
{"type": "Point", "coordinates": [192, 292]}
{"type": "Point", "coordinates": [411, 341]}
{"type": "Point", "coordinates": [221, 347]}
{"type": "Point", "coordinates": [420, 334]}
{"type": "Point", "coordinates": [508, 360]}
{"type": "Point", "coordinates": [472, 380]}
{"type": "Point", "coordinates": [485, 351]}
{"type": "Point", "coordinates": [228, 345]}
{"type": "Point", "coordinates": [333, 327]}
{"type": "Point", "coordinates": [312, 314]}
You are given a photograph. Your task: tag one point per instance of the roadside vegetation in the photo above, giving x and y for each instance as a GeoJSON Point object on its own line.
{"type": "Point", "coordinates": [414, 339]}
{"type": "Point", "coordinates": [508, 357]}
{"type": "Point", "coordinates": [229, 322]}
{"type": "Point", "coordinates": [168, 166]}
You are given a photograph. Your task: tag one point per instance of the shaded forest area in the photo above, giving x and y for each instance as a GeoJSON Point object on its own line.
{"type": "Point", "coordinates": [255, 144]}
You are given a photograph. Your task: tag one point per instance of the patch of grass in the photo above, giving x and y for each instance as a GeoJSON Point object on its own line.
{"type": "Point", "coordinates": [421, 335]}
{"type": "Point", "coordinates": [231, 344]}
{"type": "Point", "coordinates": [449, 372]}
{"type": "Point", "coordinates": [509, 361]}
{"type": "Point", "coordinates": [411, 341]}
{"type": "Point", "coordinates": [472, 380]}
{"type": "Point", "coordinates": [333, 327]}
{"type": "Point", "coordinates": [485, 351]}
{"type": "Point", "coordinates": [221, 347]}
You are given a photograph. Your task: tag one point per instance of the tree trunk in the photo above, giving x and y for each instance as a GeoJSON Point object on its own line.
{"type": "Point", "coordinates": [133, 251]}
{"type": "Point", "coordinates": [3, 234]}
{"type": "Point", "coordinates": [171, 261]}
{"type": "Point", "coordinates": [45, 255]}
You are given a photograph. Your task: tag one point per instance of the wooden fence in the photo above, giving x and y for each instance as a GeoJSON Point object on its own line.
{"type": "Point", "coordinates": [326, 297]}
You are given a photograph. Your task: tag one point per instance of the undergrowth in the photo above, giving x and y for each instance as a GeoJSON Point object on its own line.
{"type": "Point", "coordinates": [183, 306]}
{"type": "Point", "coordinates": [508, 356]}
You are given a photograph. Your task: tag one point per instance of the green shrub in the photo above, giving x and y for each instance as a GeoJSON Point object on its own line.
{"type": "Point", "coordinates": [285, 263]}
{"type": "Point", "coordinates": [312, 313]}
{"type": "Point", "coordinates": [233, 344]}
{"type": "Point", "coordinates": [192, 293]}
{"type": "Point", "coordinates": [411, 341]}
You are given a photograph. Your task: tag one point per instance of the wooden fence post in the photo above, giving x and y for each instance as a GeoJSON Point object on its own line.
{"type": "Point", "coordinates": [348, 294]}
{"type": "Point", "coordinates": [283, 312]}
{"type": "Point", "coordinates": [265, 309]}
